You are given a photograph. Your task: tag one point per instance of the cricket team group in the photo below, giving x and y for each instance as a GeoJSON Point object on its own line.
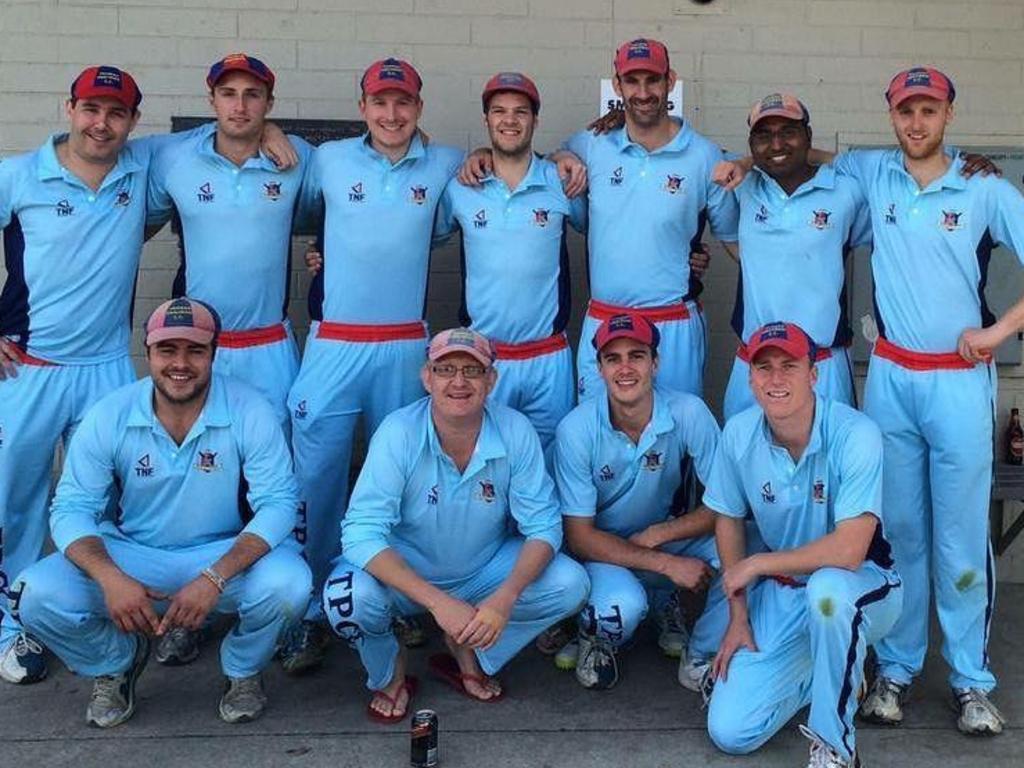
{"type": "Point", "coordinates": [518, 496]}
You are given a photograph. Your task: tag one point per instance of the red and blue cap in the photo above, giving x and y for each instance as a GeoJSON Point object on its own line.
{"type": "Point", "coordinates": [919, 81]}
{"type": "Point", "coordinates": [512, 81]}
{"type": "Point", "coordinates": [779, 105]}
{"type": "Point", "coordinates": [788, 337]}
{"type": "Point", "coordinates": [109, 82]}
{"type": "Point", "coordinates": [628, 325]}
{"type": "Point", "coordinates": [641, 54]}
{"type": "Point", "coordinates": [391, 74]}
{"type": "Point", "coordinates": [240, 62]}
{"type": "Point", "coordinates": [183, 318]}
{"type": "Point", "coordinates": [462, 340]}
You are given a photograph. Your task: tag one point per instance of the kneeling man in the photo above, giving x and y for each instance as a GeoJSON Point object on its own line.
{"type": "Point", "coordinates": [205, 501]}
{"type": "Point", "coordinates": [803, 613]}
{"type": "Point", "coordinates": [620, 464]}
{"type": "Point", "coordinates": [453, 514]}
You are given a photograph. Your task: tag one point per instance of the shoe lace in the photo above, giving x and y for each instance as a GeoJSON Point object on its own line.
{"type": "Point", "coordinates": [25, 644]}
{"type": "Point", "coordinates": [246, 688]}
{"type": "Point", "coordinates": [822, 755]}
{"type": "Point", "coordinates": [106, 691]}
{"type": "Point", "coordinates": [975, 697]}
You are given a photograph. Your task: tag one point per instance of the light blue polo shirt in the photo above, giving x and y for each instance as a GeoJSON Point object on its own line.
{"type": "Point", "coordinates": [647, 209]}
{"type": "Point", "coordinates": [600, 473]}
{"type": "Point", "coordinates": [792, 253]}
{"type": "Point", "coordinates": [71, 254]}
{"type": "Point", "coordinates": [932, 246]}
{"type": "Point", "coordinates": [236, 226]}
{"type": "Point", "coordinates": [515, 264]}
{"type": "Point", "coordinates": [171, 496]}
{"type": "Point", "coordinates": [445, 524]}
{"type": "Point", "coordinates": [378, 225]}
{"type": "Point", "coordinates": [838, 477]}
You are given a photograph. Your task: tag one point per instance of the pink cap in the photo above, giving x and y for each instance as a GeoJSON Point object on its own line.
{"type": "Point", "coordinates": [462, 340]}
{"type": "Point", "coordinates": [779, 105]}
{"type": "Point", "coordinates": [183, 318]}
{"type": "Point", "coordinates": [512, 81]}
{"type": "Point", "coordinates": [629, 325]}
{"type": "Point", "coordinates": [391, 74]}
{"type": "Point", "coordinates": [240, 62]}
{"type": "Point", "coordinates": [111, 82]}
{"type": "Point", "coordinates": [788, 337]}
{"type": "Point", "coordinates": [919, 81]}
{"type": "Point", "coordinates": [641, 54]}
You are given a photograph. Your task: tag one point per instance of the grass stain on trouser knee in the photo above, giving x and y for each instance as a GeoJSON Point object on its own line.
{"type": "Point", "coordinates": [826, 606]}
{"type": "Point", "coordinates": [965, 581]}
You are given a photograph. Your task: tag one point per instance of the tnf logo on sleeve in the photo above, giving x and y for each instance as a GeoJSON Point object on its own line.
{"type": "Point", "coordinates": [606, 473]}
{"type": "Point", "coordinates": [64, 208]}
{"type": "Point", "coordinates": [767, 494]}
{"type": "Point", "coordinates": [616, 178]}
{"type": "Point", "coordinates": [300, 410]}
{"type": "Point", "coordinates": [356, 194]}
{"type": "Point", "coordinates": [144, 467]}
{"type": "Point", "coordinates": [432, 496]}
{"type": "Point", "coordinates": [205, 193]}
{"type": "Point", "coordinates": [761, 216]}
{"type": "Point", "coordinates": [480, 219]}
{"type": "Point", "coordinates": [890, 214]}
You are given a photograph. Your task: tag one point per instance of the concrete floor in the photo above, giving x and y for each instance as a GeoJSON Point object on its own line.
{"type": "Point", "coordinates": [546, 720]}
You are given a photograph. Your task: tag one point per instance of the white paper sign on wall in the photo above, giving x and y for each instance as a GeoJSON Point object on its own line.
{"type": "Point", "coordinates": [609, 98]}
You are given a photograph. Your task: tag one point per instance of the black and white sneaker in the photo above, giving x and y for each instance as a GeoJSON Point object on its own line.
{"type": "Point", "coordinates": [113, 696]}
{"type": "Point", "coordinates": [596, 666]}
{"type": "Point", "coordinates": [243, 700]}
{"type": "Point", "coordinates": [23, 662]}
{"type": "Point", "coordinates": [884, 703]}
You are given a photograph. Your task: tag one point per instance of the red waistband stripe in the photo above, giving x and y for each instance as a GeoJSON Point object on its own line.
{"type": "Point", "coordinates": [529, 349]}
{"type": "Point", "coordinates": [920, 361]}
{"type": "Point", "coordinates": [357, 332]}
{"type": "Point", "coordinates": [601, 311]}
{"type": "Point", "coordinates": [255, 337]}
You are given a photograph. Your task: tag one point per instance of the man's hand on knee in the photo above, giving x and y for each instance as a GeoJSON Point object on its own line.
{"type": "Point", "coordinates": [130, 604]}
{"type": "Point", "coordinates": [190, 605]}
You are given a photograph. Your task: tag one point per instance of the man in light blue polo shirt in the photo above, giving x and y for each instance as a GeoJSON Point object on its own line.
{"type": "Point", "coordinates": [931, 388]}
{"type": "Point", "coordinates": [379, 193]}
{"type": "Point", "coordinates": [802, 614]}
{"type": "Point", "coordinates": [515, 264]}
{"type": "Point", "coordinates": [235, 209]}
{"type": "Point", "coordinates": [620, 464]}
{"type": "Point", "coordinates": [206, 500]}
{"type": "Point", "coordinates": [453, 514]}
{"type": "Point", "coordinates": [650, 192]}
{"type": "Point", "coordinates": [797, 223]}
{"type": "Point", "coordinates": [73, 214]}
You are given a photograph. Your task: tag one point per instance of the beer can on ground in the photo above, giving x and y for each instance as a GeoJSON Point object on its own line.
{"type": "Point", "coordinates": [424, 739]}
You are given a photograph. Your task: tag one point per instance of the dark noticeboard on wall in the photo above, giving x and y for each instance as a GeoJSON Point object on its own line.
{"type": "Point", "coordinates": [1005, 274]}
{"type": "Point", "coordinates": [316, 132]}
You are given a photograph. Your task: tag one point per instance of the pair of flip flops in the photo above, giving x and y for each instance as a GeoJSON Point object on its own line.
{"type": "Point", "coordinates": [445, 668]}
{"type": "Point", "coordinates": [410, 686]}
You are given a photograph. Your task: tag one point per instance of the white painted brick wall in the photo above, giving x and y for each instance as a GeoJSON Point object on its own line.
{"type": "Point", "coordinates": [838, 54]}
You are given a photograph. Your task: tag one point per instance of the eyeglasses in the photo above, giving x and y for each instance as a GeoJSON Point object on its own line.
{"type": "Point", "coordinates": [448, 371]}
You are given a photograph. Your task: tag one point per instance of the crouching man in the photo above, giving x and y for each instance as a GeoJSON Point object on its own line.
{"type": "Point", "coordinates": [803, 613]}
{"type": "Point", "coordinates": [205, 495]}
{"type": "Point", "coordinates": [453, 514]}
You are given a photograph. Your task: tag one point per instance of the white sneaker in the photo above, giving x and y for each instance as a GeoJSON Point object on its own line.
{"type": "Point", "coordinates": [692, 673]}
{"type": "Point", "coordinates": [23, 662]}
{"type": "Point", "coordinates": [884, 702]}
{"type": "Point", "coordinates": [978, 715]}
{"type": "Point", "coordinates": [673, 638]}
{"type": "Point", "coordinates": [568, 655]}
{"type": "Point", "coordinates": [822, 754]}
{"type": "Point", "coordinates": [596, 667]}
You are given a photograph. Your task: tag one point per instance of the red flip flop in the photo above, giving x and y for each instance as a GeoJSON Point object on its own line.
{"type": "Point", "coordinates": [445, 668]}
{"type": "Point", "coordinates": [409, 686]}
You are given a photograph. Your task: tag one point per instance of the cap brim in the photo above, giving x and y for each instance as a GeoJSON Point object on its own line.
{"type": "Point", "coordinates": [374, 88]}
{"type": "Point", "coordinates": [476, 354]}
{"type": "Point", "coordinates": [195, 335]}
{"type": "Point", "coordinates": [778, 113]}
{"type": "Point", "coordinates": [899, 97]}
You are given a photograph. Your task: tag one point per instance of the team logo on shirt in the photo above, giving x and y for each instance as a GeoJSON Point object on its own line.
{"type": "Point", "coordinates": [355, 193]}
{"type": "Point", "coordinates": [122, 199]}
{"type": "Point", "coordinates": [606, 473]}
{"type": "Point", "coordinates": [486, 492]}
{"type": "Point", "coordinates": [64, 208]}
{"type": "Point", "coordinates": [818, 492]}
{"type": "Point", "coordinates": [761, 216]}
{"type": "Point", "coordinates": [673, 184]}
{"type": "Point", "coordinates": [616, 177]}
{"type": "Point", "coordinates": [480, 219]}
{"type": "Point", "coordinates": [890, 214]}
{"type": "Point", "coordinates": [767, 494]}
{"type": "Point", "coordinates": [419, 195]}
{"type": "Point", "coordinates": [144, 467]}
{"type": "Point", "coordinates": [652, 461]}
{"type": "Point", "coordinates": [540, 217]}
{"type": "Point", "coordinates": [432, 496]}
{"type": "Point", "coordinates": [951, 220]}
{"type": "Point", "coordinates": [207, 461]}
{"type": "Point", "coordinates": [205, 193]}
{"type": "Point", "coordinates": [272, 190]}
{"type": "Point", "coordinates": [821, 219]}
{"type": "Point", "coordinates": [300, 410]}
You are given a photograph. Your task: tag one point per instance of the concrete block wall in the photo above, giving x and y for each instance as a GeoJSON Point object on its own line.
{"type": "Point", "coordinates": [837, 54]}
